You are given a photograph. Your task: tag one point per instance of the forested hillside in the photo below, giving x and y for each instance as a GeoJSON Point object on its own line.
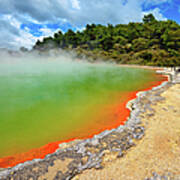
{"type": "Point", "coordinates": [151, 42]}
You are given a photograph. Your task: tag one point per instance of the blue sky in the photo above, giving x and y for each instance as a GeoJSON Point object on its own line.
{"type": "Point", "coordinates": [170, 10]}
{"type": "Point", "coordinates": [23, 22]}
{"type": "Point", "coordinates": [35, 28]}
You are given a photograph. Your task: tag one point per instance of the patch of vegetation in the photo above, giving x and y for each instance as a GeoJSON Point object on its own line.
{"type": "Point", "coordinates": [152, 42]}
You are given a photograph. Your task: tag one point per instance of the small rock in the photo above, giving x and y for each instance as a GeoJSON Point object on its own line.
{"type": "Point", "coordinates": [120, 154]}
{"type": "Point", "coordinates": [95, 141]}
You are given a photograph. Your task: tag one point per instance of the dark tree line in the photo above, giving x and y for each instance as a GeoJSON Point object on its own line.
{"type": "Point", "coordinates": [151, 42]}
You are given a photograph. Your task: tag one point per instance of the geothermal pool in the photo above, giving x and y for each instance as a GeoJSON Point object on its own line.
{"type": "Point", "coordinates": [54, 101]}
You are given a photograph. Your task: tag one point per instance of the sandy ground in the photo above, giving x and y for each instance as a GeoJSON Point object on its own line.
{"type": "Point", "coordinates": [158, 151]}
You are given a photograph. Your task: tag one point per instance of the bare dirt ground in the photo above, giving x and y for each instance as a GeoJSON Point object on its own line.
{"type": "Point", "coordinates": [158, 151]}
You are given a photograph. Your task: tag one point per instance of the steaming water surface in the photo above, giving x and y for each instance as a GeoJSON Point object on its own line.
{"type": "Point", "coordinates": [43, 102]}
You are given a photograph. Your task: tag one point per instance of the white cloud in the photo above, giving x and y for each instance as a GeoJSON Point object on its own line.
{"type": "Point", "coordinates": [75, 4]}
{"type": "Point", "coordinates": [11, 36]}
{"type": "Point", "coordinates": [157, 14]}
{"type": "Point", "coordinates": [46, 32]}
{"type": "Point", "coordinates": [25, 40]}
{"type": "Point", "coordinates": [106, 11]}
{"type": "Point", "coordinates": [77, 12]}
{"type": "Point", "coordinates": [155, 2]}
{"type": "Point", "coordinates": [13, 21]}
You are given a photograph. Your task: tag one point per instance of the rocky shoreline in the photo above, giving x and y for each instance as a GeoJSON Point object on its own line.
{"type": "Point", "coordinates": [75, 157]}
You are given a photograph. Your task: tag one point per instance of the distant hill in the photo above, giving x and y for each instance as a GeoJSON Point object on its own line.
{"type": "Point", "coordinates": [151, 42]}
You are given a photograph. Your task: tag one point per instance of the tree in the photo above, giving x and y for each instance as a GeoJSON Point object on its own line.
{"type": "Point", "coordinates": [139, 44]}
{"type": "Point", "coordinates": [150, 42]}
{"type": "Point", "coordinates": [107, 42]}
{"type": "Point", "coordinates": [70, 38]}
{"type": "Point", "coordinates": [149, 18]}
{"type": "Point", "coordinates": [58, 34]}
{"type": "Point", "coordinates": [38, 42]}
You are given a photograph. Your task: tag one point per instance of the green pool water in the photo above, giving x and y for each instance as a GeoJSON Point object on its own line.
{"type": "Point", "coordinates": [42, 102]}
